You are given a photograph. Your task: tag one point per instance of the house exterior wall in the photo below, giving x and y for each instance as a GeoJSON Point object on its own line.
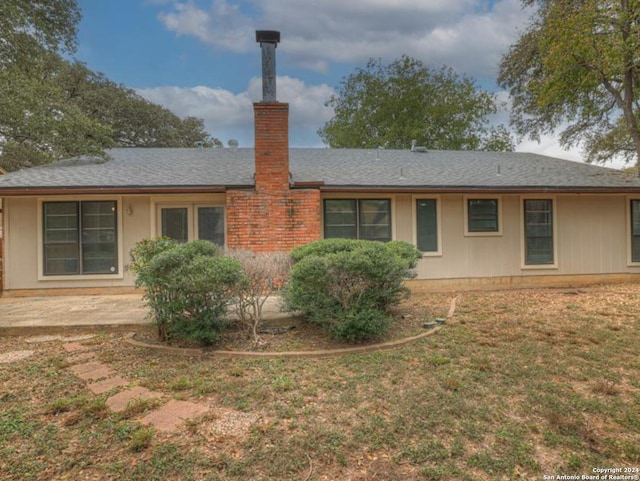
{"type": "Point", "coordinates": [24, 244]}
{"type": "Point", "coordinates": [591, 233]}
{"type": "Point", "coordinates": [475, 256]}
{"type": "Point", "coordinates": [591, 236]}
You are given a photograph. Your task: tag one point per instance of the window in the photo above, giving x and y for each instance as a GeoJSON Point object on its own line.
{"type": "Point", "coordinates": [635, 230]}
{"type": "Point", "coordinates": [538, 231]}
{"type": "Point", "coordinates": [80, 238]}
{"type": "Point", "coordinates": [482, 215]}
{"type": "Point", "coordinates": [427, 225]}
{"type": "Point", "coordinates": [368, 219]}
{"type": "Point", "coordinates": [180, 223]}
{"type": "Point", "coordinates": [211, 224]}
{"type": "Point", "coordinates": [175, 223]}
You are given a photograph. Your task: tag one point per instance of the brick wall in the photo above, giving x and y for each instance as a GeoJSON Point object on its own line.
{"type": "Point", "coordinates": [261, 221]}
{"type": "Point", "coordinates": [272, 217]}
{"type": "Point", "coordinates": [271, 146]}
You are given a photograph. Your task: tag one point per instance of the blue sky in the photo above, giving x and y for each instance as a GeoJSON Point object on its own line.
{"type": "Point", "coordinates": [199, 57]}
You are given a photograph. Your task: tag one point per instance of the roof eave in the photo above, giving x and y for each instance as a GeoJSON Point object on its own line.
{"type": "Point", "coordinates": [118, 190]}
{"type": "Point", "coordinates": [446, 189]}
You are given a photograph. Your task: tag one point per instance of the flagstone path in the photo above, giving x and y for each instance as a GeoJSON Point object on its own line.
{"type": "Point", "coordinates": [102, 379]}
{"type": "Point", "coordinates": [169, 415]}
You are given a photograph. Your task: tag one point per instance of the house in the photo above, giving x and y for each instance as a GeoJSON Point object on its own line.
{"type": "Point", "coordinates": [481, 218]}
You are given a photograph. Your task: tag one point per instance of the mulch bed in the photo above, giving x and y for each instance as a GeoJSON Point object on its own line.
{"type": "Point", "coordinates": [295, 334]}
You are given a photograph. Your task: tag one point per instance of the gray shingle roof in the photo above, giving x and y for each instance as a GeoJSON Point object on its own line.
{"type": "Point", "coordinates": [335, 168]}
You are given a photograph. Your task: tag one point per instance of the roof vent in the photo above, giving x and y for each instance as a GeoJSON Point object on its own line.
{"type": "Point", "coordinates": [268, 40]}
{"type": "Point", "coordinates": [233, 144]}
{"type": "Point", "coordinates": [417, 148]}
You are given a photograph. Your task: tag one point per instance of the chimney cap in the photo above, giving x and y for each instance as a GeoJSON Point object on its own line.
{"type": "Point", "coordinates": [268, 36]}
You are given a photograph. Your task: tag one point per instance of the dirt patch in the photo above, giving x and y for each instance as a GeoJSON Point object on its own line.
{"type": "Point", "coordinates": [14, 356]}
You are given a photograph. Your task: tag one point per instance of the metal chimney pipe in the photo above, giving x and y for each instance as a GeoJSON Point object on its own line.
{"type": "Point", "coordinates": [268, 40]}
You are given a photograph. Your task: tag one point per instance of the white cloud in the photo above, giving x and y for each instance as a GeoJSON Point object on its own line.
{"type": "Point", "coordinates": [227, 115]}
{"type": "Point", "coordinates": [469, 35]}
{"type": "Point", "coordinates": [550, 146]}
{"type": "Point", "coordinates": [223, 25]}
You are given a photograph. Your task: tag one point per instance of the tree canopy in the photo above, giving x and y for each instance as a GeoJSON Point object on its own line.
{"type": "Point", "coordinates": [53, 108]}
{"type": "Point", "coordinates": [576, 69]}
{"type": "Point", "coordinates": [391, 105]}
{"type": "Point", "coordinates": [27, 27]}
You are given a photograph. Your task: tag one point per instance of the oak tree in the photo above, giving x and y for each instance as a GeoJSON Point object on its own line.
{"type": "Point", "coordinates": [53, 108]}
{"type": "Point", "coordinates": [391, 105]}
{"type": "Point", "coordinates": [576, 69]}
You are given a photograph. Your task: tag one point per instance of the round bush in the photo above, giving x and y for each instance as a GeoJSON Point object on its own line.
{"type": "Point", "coordinates": [188, 287]}
{"type": "Point", "coordinates": [348, 285]}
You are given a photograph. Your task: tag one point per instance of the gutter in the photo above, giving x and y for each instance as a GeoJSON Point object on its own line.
{"type": "Point", "coordinates": [190, 189]}
{"type": "Point", "coordinates": [480, 190]}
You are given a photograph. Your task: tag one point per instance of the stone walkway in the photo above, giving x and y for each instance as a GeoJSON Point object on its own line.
{"type": "Point", "coordinates": [101, 379]}
{"type": "Point", "coordinates": [168, 415]}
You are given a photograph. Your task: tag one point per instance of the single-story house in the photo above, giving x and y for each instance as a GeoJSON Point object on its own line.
{"type": "Point", "coordinates": [480, 218]}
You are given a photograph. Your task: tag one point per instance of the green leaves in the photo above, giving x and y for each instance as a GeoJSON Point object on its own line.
{"type": "Point", "coordinates": [188, 287]}
{"type": "Point", "coordinates": [576, 68]}
{"type": "Point", "coordinates": [28, 26]}
{"type": "Point", "coordinates": [52, 108]}
{"type": "Point", "coordinates": [348, 285]}
{"type": "Point", "coordinates": [391, 105]}
{"type": "Point", "coordinates": [39, 123]}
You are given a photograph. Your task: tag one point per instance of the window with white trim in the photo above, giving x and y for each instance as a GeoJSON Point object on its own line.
{"type": "Point", "coordinates": [482, 215]}
{"type": "Point", "coordinates": [368, 219]}
{"type": "Point", "coordinates": [538, 231]}
{"type": "Point", "coordinates": [80, 237]}
{"type": "Point", "coordinates": [427, 225]}
{"type": "Point", "coordinates": [635, 230]}
{"type": "Point", "coordinates": [188, 222]}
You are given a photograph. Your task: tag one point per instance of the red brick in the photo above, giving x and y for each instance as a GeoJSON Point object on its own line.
{"type": "Point", "coordinates": [272, 217]}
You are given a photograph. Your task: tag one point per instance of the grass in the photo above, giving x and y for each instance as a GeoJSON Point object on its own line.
{"type": "Point", "coordinates": [520, 384]}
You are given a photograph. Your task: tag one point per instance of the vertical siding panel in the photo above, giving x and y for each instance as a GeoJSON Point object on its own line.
{"type": "Point", "coordinates": [403, 221]}
{"type": "Point", "coordinates": [21, 267]}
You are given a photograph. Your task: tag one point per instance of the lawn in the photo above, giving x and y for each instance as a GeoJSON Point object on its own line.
{"type": "Point", "coordinates": [519, 385]}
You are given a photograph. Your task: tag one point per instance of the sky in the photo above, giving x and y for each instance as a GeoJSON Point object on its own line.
{"type": "Point", "coordinates": [199, 57]}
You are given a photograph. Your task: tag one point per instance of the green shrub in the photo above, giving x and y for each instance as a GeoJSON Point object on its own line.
{"type": "Point", "coordinates": [324, 247]}
{"type": "Point", "coordinates": [362, 323]}
{"type": "Point", "coordinates": [188, 287]}
{"type": "Point", "coordinates": [349, 285]}
{"type": "Point", "coordinates": [144, 251]}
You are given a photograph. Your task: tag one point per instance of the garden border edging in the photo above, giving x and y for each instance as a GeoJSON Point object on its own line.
{"type": "Point", "coordinates": [323, 353]}
{"type": "Point", "coordinates": [129, 338]}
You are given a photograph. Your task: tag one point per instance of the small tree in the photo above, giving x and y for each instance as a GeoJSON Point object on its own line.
{"type": "Point", "coordinates": [264, 274]}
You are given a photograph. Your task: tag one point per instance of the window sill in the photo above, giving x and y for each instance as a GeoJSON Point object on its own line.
{"type": "Point", "coordinates": [539, 266]}
{"type": "Point", "coordinates": [81, 277]}
{"type": "Point", "coordinates": [483, 234]}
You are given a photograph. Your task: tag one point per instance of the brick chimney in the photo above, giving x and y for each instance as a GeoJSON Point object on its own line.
{"type": "Point", "coordinates": [276, 216]}
{"type": "Point", "coordinates": [271, 123]}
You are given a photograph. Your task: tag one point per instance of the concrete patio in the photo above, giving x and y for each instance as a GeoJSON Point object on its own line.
{"type": "Point", "coordinates": [59, 313]}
